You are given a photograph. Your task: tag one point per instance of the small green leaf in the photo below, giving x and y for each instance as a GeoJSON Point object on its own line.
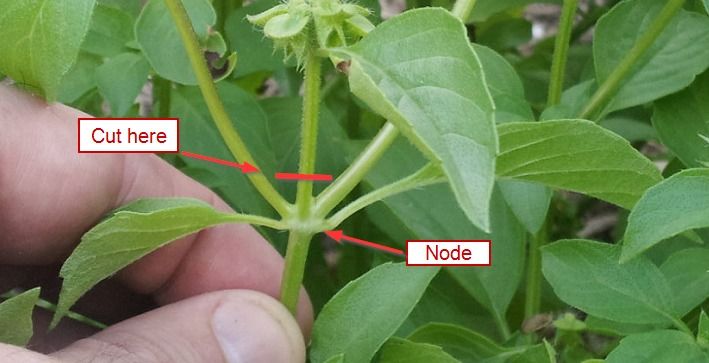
{"type": "Point", "coordinates": [402, 350]}
{"type": "Point", "coordinates": [687, 271]}
{"type": "Point", "coordinates": [16, 318]}
{"type": "Point", "coordinates": [669, 65]}
{"type": "Point", "coordinates": [111, 29]}
{"type": "Point", "coordinates": [462, 343]}
{"type": "Point", "coordinates": [419, 71]}
{"type": "Point", "coordinates": [659, 346]}
{"type": "Point", "coordinates": [120, 80]}
{"type": "Point", "coordinates": [41, 39]}
{"type": "Point", "coordinates": [576, 155]}
{"type": "Point", "coordinates": [130, 233]}
{"type": "Point", "coordinates": [80, 79]}
{"type": "Point", "coordinates": [703, 330]}
{"type": "Point", "coordinates": [285, 26]}
{"type": "Point", "coordinates": [587, 275]}
{"type": "Point", "coordinates": [667, 209]}
{"type": "Point", "coordinates": [157, 35]}
{"type": "Point", "coordinates": [367, 311]}
{"type": "Point", "coordinates": [682, 121]}
{"type": "Point", "coordinates": [540, 353]}
{"type": "Point", "coordinates": [528, 201]}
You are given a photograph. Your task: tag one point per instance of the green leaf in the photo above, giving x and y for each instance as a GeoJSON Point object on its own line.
{"type": "Point", "coordinates": [419, 71]}
{"type": "Point", "coordinates": [703, 330]}
{"type": "Point", "coordinates": [667, 209]}
{"type": "Point", "coordinates": [16, 318]}
{"type": "Point", "coordinates": [682, 120]}
{"type": "Point", "coordinates": [540, 353]}
{"type": "Point", "coordinates": [587, 275]}
{"type": "Point", "coordinates": [687, 271]}
{"type": "Point", "coordinates": [462, 343]}
{"type": "Point", "coordinates": [80, 80]}
{"type": "Point", "coordinates": [120, 80]}
{"type": "Point", "coordinates": [402, 350]}
{"type": "Point", "coordinates": [669, 65]}
{"type": "Point", "coordinates": [660, 346]}
{"type": "Point", "coordinates": [130, 233]}
{"type": "Point", "coordinates": [576, 155]}
{"type": "Point", "coordinates": [505, 87]}
{"type": "Point", "coordinates": [528, 201]}
{"type": "Point", "coordinates": [433, 212]}
{"type": "Point", "coordinates": [157, 35]}
{"type": "Point", "coordinates": [111, 29]}
{"type": "Point", "coordinates": [367, 311]}
{"type": "Point", "coordinates": [40, 41]}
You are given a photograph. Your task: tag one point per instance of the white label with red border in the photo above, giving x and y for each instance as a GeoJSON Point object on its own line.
{"type": "Point", "coordinates": [96, 135]}
{"type": "Point", "coordinates": [449, 253]}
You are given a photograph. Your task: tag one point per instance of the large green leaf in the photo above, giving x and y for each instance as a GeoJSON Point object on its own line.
{"type": "Point", "coordinates": [419, 71]}
{"type": "Point", "coordinates": [667, 209]}
{"type": "Point", "coordinates": [670, 64]}
{"type": "Point", "coordinates": [161, 43]}
{"type": "Point", "coordinates": [576, 155]}
{"type": "Point", "coordinates": [41, 39]}
{"type": "Point", "coordinates": [463, 344]}
{"type": "Point", "coordinates": [366, 312]}
{"type": "Point", "coordinates": [120, 80]}
{"type": "Point", "coordinates": [402, 350]}
{"type": "Point", "coordinates": [128, 234]}
{"type": "Point", "coordinates": [16, 318]}
{"type": "Point", "coordinates": [432, 212]}
{"type": "Point", "coordinates": [110, 31]}
{"type": "Point", "coordinates": [682, 119]}
{"type": "Point", "coordinates": [660, 346]}
{"type": "Point", "coordinates": [687, 271]}
{"type": "Point", "coordinates": [587, 275]}
{"type": "Point", "coordinates": [505, 87]}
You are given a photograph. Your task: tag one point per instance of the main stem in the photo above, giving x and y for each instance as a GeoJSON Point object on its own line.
{"type": "Point", "coordinates": [610, 86]}
{"type": "Point", "coordinates": [216, 108]}
{"type": "Point", "coordinates": [533, 293]}
{"type": "Point", "coordinates": [561, 48]}
{"type": "Point", "coordinates": [301, 233]}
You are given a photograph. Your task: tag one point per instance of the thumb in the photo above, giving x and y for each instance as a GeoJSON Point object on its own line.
{"type": "Point", "coordinates": [224, 326]}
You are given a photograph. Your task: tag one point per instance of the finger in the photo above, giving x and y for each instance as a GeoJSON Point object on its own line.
{"type": "Point", "coordinates": [225, 326]}
{"type": "Point", "coordinates": [50, 195]}
{"type": "Point", "coordinates": [11, 353]}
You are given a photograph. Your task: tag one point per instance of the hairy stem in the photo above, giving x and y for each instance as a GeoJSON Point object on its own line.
{"type": "Point", "coordinates": [216, 108]}
{"type": "Point", "coordinates": [349, 179]}
{"type": "Point", "coordinates": [309, 133]}
{"type": "Point", "coordinates": [561, 49]}
{"type": "Point", "coordinates": [296, 255]}
{"type": "Point", "coordinates": [429, 174]}
{"type": "Point", "coordinates": [462, 9]}
{"type": "Point", "coordinates": [611, 85]}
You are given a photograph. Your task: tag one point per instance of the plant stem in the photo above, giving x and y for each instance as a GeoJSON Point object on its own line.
{"type": "Point", "coordinates": [349, 179]}
{"type": "Point", "coordinates": [502, 325]}
{"type": "Point", "coordinates": [296, 255]}
{"type": "Point", "coordinates": [216, 108]}
{"type": "Point", "coordinates": [611, 85]}
{"type": "Point", "coordinates": [679, 324]}
{"type": "Point", "coordinates": [462, 9]}
{"type": "Point", "coordinates": [429, 174]}
{"type": "Point", "coordinates": [161, 90]}
{"type": "Point", "coordinates": [533, 293]}
{"type": "Point", "coordinates": [309, 133]}
{"type": "Point", "coordinates": [561, 49]}
{"type": "Point", "coordinates": [256, 220]}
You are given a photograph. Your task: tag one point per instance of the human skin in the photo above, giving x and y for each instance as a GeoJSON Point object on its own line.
{"type": "Point", "coordinates": [50, 195]}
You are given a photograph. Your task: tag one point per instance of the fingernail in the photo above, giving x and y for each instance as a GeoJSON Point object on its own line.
{"type": "Point", "coordinates": [256, 328]}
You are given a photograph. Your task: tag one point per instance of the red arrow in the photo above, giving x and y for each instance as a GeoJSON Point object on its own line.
{"type": "Point", "coordinates": [245, 167]}
{"type": "Point", "coordinates": [339, 236]}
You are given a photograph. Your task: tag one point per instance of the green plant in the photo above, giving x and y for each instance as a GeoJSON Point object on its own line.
{"type": "Point", "coordinates": [441, 141]}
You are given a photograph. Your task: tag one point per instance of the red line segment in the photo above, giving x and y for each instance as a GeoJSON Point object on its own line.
{"type": "Point", "coordinates": [296, 176]}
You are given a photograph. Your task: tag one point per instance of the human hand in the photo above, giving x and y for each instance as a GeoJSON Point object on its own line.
{"type": "Point", "coordinates": [50, 196]}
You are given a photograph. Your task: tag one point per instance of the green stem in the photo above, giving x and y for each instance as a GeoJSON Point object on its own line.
{"type": "Point", "coordinates": [502, 325]}
{"type": "Point", "coordinates": [533, 293]}
{"type": "Point", "coordinates": [611, 85]}
{"type": "Point", "coordinates": [349, 179]}
{"type": "Point", "coordinates": [296, 255]}
{"type": "Point", "coordinates": [561, 49]}
{"type": "Point", "coordinates": [309, 133]}
{"type": "Point", "coordinates": [429, 174]}
{"type": "Point", "coordinates": [161, 89]}
{"type": "Point", "coordinates": [256, 220]}
{"type": "Point", "coordinates": [462, 9]}
{"type": "Point", "coordinates": [216, 108]}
